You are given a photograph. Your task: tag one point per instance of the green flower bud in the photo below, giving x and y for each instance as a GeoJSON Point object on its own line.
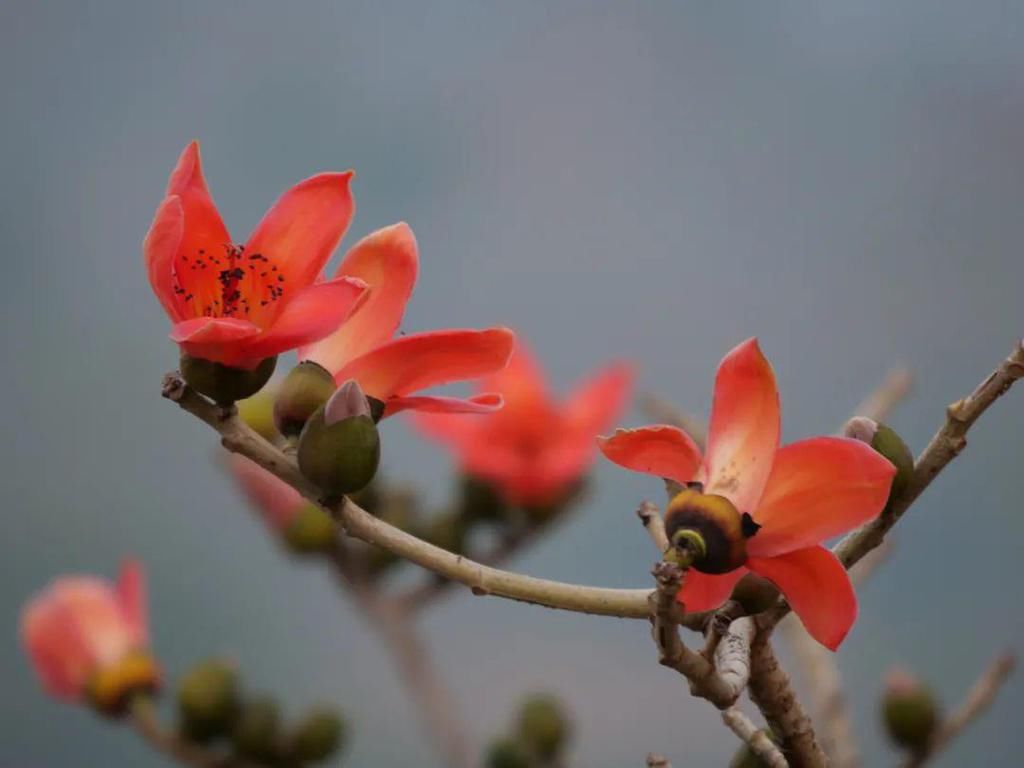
{"type": "Point", "coordinates": [256, 731]}
{"type": "Point", "coordinates": [208, 700]}
{"type": "Point", "coordinates": [258, 412]}
{"type": "Point", "coordinates": [887, 442]}
{"type": "Point", "coordinates": [224, 384]}
{"type": "Point", "coordinates": [339, 448]}
{"type": "Point", "coordinates": [543, 725]}
{"type": "Point", "coordinates": [319, 734]}
{"type": "Point", "coordinates": [306, 387]}
{"type": "Point", "coordinates": [745, 757]}
{"type": "Point", "coordinates": [909, 711]}
{"type": "Point", "coordinates": [755, 593]}
{"type": "Point", "coordinates": [507, 753]}
{"type": "Point", "coordinates": [312, 530]}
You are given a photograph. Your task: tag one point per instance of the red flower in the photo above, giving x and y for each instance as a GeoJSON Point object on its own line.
{"type": "Point", "coordinates": [800, 494]}
{"type": "Point", "coordinates": [238, 304]}
{"type": "Point", "coordinates": [278, 502]}
{"type": "Point", "coordinates": [535, 448]}
{"type": "Point", "coordinates": [391, 369]}
{"type": "Point", "coordinates": [88, 636]}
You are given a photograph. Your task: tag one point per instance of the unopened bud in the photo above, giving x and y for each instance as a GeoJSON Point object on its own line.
{"type": "Point", "coordinates": [311, 530]}
{"type": "Point", "coordinates": [755, 593]}
{"type": "Point", "coordinates": [255, 733]}
{"type": "Point", "coordinates": [258, 413]}
{"type": "Point", "coordinates": [306, 387]}
{"type": "Point", "coordinates": [889, 444]}
{"type": "Point", "coordinates": [543, 725]}
{"type": "Point", "coordinates": [339, 448]}
{"type": "Point", "coordinates": [208, 700]}
{"type": "Point", "coordinates": [320, 734]}
{"type": "Point", "coordinates": [224, 384]}
{"type": "Point", "coordinates": [909, 711]}
{"type": "Point", "coordinates": [507, 753]}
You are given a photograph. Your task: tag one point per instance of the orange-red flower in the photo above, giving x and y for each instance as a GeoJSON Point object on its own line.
{"type": "Point", "coordinates": [239, 304]}
{"type": "Point", "coordinates": [800, 494]}
{"type": "Point", "coordinates": [392, 369]}
{"type": "Point", "coordinates": [277, 502]}
{"type": "Point", "coordinates": [535, 448]}
{"type": "Point", "coordinates": [89, 637]}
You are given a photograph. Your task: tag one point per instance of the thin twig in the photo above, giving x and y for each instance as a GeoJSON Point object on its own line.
{"type": "Point", "coordinates": [879, 404]}
{"type": "Point", "coordinates": [756, 738]}
{"type": "Point", "coordinates": [236, 436]}
{"type": "Point", "coordinates": [977, 700]}
{"type": "Point", "coordinates": [660, 410]}
{"type": "Point", "coordinates": [650, 517]}
{"type": "Point", "coordinates": [147, 723]}
{"type": "Point", "coordinates": [673, 653]}
{"type": "Point", "coordinates": [772, 692]}
{"type": "Point", "coordinates": [655, 760]}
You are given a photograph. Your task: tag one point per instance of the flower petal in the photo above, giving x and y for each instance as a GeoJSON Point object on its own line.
{"type": "Point", "coordinates": [521, 382]}
{"type": "Point", "coordinates": [705, 591]}
{"type": "Point", "coordinates": [445, 407]}
{"type": "Point", "coordinates": [422, 360]}
{"type": "Point", "coordinates": [657, 450]}
{"type": "Point", "coordinates": [131, 594]}
{"type": "Point", "coordinates": [301, 230]}
{"type": "Point", "coordinates": [220, 339]}
{"type": "Point", "coordinates": [744, 430]}
{"type": "Point", "coordinates": [59, 654]}
{"type": "Point", "coordinates": [595, 404]}
{"type": "Point", "coordinates": [311, 314]}
{"type": "Point", "coordinates": [819, 488]}
{"type": "Point", "coordinates": [817, 587]}
{"type": "Point", "coordinates": [387, 261]}
{"type": "Point", "coordinates": [276, 501]}
{"type": "Point", "coordinates": [204, 238]}
{"type": "Point", "coordinates": [159, 250]}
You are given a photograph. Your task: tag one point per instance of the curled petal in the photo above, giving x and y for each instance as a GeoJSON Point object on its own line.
{"type": "Point", "coordinates": [819, 488]}
{"type": "Point", "coordinates": [817, 587]}
{"type": "Point", "coordinates": [596, 403]}
{"type": "Point", "coordinates": [312, 313]}
{"type": "Point", "coordinates": [705, 591]}
{"type": "Point", "coordinates": [411, 363]}
{"type": "Point", "coordinates": [215, 338]}
{"type": "Point", "coordinates": [440, 406]}
{"type": "Point", "coordinates": [657, 450]}
{"type": "Point", "coordinates": [387, 261]}
{"type": "Point", "coordinates": [301, 230]}
{"type": "Point", "coordinates": [744, 429]}
{"type": "Point", "coordinates": [159, 250]}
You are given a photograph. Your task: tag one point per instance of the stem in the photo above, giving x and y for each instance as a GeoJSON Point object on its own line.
{"type": "Point", "coordinates": [147, 723]}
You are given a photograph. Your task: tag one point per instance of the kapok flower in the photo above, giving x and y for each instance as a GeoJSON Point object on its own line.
{"type": "Point", "coordinates": [535, 448]}
{"type": "Point", "coordinates": [390, 370]}
{"type": "Point", "coordinates": [238, 305]}
{"type": "Point", "coordinates": [88, 638]}
{"type": "Point", "coordinates": [753, 506]}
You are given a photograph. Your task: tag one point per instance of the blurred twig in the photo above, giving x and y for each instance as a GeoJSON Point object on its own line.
{"type": "Point", "coordinates": [662, 411]}
{"type": "Point", "coordinates": [879, 404]}
{"type": "Point", "coordinates": [977, 700]}
{"type": "Point", "coordinates": [147, 723]}
{"type": "Point", "coordinates": [756, 738]}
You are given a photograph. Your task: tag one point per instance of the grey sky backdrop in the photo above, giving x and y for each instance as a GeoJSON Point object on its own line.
{"type": "Point", "coordinates": [844, 180]}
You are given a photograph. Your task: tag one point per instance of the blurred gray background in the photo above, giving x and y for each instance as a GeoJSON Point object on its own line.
{"type": "Point", "coordinates": [842, 179]}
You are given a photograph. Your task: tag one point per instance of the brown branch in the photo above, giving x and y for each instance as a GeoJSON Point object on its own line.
{"type": "Point", "coordinates": [665, 614]}
{"type": "Point", "coordinates": [650, 517]}
{"type": "Point", "coordinates": [147, 724]}
{"type": "Point", "coordinates": [975, 703]}
{"type": "Point", "coordinates": [655, 760]}
{"type": "Point", "coordinates": [756, 738]}
{"type": "Point", "coordinates": [771, 691]}
{"type": "Point", "coordinates": [236, 436]}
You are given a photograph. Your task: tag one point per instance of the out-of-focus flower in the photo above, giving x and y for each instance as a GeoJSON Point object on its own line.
{"type": "Point", "coordinates": [390, 370]}
{"type": "Point", "coordinates": [303, 526]}
{"type": "Point", "coordinates": [88, 638]}
{"type": "Point", "coordinates": [535, 449]}
{"type": "Point", "coordinates": [238, 305]}
{"type": "Point", "coordinates": [753, 506]}
{"type": "Point", "coordinates": [910, 712]}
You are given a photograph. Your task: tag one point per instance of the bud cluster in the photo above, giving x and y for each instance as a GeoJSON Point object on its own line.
{"type": "Point", "coordinates": [538, 739]}
{"type": "Point", "coordinates": [212, 708]}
